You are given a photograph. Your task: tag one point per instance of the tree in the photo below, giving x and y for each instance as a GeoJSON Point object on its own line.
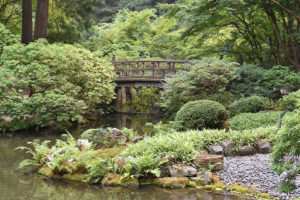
{"type": "Point", "coordinates": [41, 22]}
{"type": "Point", "coordinates": [244, 28]}
{"type": "Point", "coordinates": [26, 21]}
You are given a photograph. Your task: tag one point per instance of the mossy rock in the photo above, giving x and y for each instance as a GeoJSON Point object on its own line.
{"type": "Point", "coordinates": [114, 180]}
{"type": "Point", "coordinates": [46, 171]}
{"type": "Point", "coordinates": [172, 182]}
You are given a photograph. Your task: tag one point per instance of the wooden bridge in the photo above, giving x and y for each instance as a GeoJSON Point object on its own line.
{"type": "Point", "coordinates": [143, 73]}
{"type": "Point", "coordinates": [146, 73]}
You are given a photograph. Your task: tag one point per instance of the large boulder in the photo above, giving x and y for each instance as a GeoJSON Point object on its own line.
{"type": "Point", "coordinates": [182, 171]}
{"type": "Point", "coordinates": [228, 148]}
{"type": "Point", "coordinates": [246, 151]}
{"type": "Point", "coordinates": [264, 147]}
{"type": "Point", "coordinates": [216, 150]}
{"type": "Point", "coordinates": [209, 162]}
{"type": "Point", "coordinates": [203, 178]}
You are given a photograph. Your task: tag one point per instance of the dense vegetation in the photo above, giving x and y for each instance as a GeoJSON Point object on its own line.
{"type": "Point", "coordinates": [244, 72]}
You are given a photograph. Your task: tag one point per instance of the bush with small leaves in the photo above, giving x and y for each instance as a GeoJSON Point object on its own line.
{"type": "Point", "coordinates": [45, 84]}
{"type": "Point", "coordinates": [286, 153]}
{"type": "Point", "coordinates": [249, 105]}
{"type": "Point", "coordinates": [291, 101]}
{"type": "Point", "coordinates": [200, 114]}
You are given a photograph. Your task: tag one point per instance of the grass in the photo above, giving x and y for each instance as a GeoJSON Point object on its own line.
{"type": "Point", "coordinates": [254, 120]}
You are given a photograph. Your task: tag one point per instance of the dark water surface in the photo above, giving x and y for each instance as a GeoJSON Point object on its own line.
{"type": "Point", "coordinates": [18, 184]}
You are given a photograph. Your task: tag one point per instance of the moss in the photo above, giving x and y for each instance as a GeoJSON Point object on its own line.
{"type": "Point", "coordinates": [114, 180]}
{"type": "Point", "coordinates": [111, 152]}
{"type": "Point", "coordinates": [78, 177]}
{"type": "Point", "coordinates": [264, 195]}
{"type": "Point", "coordinates": [46, 171]}
{"type": "Point", "coordinates": [239, 188]}
{"type": "Point", "coordinates": [172, 182]}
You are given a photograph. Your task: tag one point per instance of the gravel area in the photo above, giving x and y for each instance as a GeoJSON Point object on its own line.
{"type": "Point", "coordinates": [254, 171]}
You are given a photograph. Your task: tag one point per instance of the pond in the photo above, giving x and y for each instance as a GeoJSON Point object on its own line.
{"type": "Point", "coordinates": [23, 184]}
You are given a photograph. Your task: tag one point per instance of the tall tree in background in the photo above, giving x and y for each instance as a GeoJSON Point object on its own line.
{"type": "Point", "coordinates": [26, 21]}
{"type": "Point", "coordinates": [41, 22]}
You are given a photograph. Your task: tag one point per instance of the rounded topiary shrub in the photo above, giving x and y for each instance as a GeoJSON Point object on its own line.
{"type": "Point", "coordinates": [249, 105]}
{"type": "Point", "coordinates": [200, 114]}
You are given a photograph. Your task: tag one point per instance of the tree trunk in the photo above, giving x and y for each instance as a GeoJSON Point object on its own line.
{"type": "Point", "coordinates": [26, 21]}
{"type": "Point", "coordinates": [41, 22]}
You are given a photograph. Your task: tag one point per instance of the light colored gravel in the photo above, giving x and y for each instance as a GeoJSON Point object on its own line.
{"type": "Point", "coordinates": [255, 171]}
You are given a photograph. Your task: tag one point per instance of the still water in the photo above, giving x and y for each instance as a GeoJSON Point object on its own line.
{"type": "Point", "coordinates": [18, 184]}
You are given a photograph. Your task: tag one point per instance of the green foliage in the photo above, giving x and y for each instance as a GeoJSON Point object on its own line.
{"type": "Point", "coordinates": [200, 114]}
{"type": "Point", "coordinates": [249, 82]}
{"type": "Point", "coordinates": [7, 38]}
{"type": "Point", "coordinates": [205, 77]}
{"type": "Point", "coordinates": [282, 77]}
{"type": "Point", "coordinates": [137, 35]}
{"type": "Point", "coordinates": [291, 101]}
{"type": "Point", "coordinates": [224, 97]}
{"type": "Point", "coordinates": [144, 98]}
{"type": "Point", "coordinates": [39, 154]}
{"type": "Point", "coordinates": [65, 157]}
{"type": "Point", "coordinates": [286, 152]}
{"type": "Point", "coordinates": [251, 104]}
{"type": "Point", "coordinates": [182, 146]}
{"type": "Point", "coordinates": [64, 81]}
{"type": "Point", "coordinates": [143, 165]}
{"type": "Point", "coordinates": [245, 121]}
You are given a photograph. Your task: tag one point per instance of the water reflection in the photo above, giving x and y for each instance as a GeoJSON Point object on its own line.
{"type": "Point", "coordinates": [24, 185]}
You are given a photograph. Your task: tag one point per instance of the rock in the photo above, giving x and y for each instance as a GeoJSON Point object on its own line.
{"type": "Point", "coordinates": [172, 182]}
{"type": "Point", "coordinates": [164, 171]}
{"type": "Point", "coordinates": [203, 178]}
{"type": "Point", "coordinates": [147, 138]}
{"type": "Point", "coordinates": [209, 162]}
{"type": "Point", "coordinates": [182, 171]}
{"type": "Point", "coordinates": [114, 180]}
{"type": "Point", "coordinates": [228, 148]}
{"type": "Point", "coordinates": [246, 151]}
{"type": "Point", "coordinates": [136, 139]}
{"type": "Point", "coordinates": [82, 144]}
{"type": "Point", "coordinates": [216, 150]}
{"type": "Point", "coordinates": [264, 147]}
{"type": "Point", "coordinates": [116, 132]}
{"type": "Point", "coordinates": [155, 109]}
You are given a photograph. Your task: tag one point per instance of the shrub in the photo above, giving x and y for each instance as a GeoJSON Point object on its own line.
{"type": "Point", "coordinates": [249, 105]}
{"type": "Point", "coordinates": [7, 38]}
{"type": "Point", "coordinates": [201, 114]}
{"type": "Point", "coordinates": [286, 152]}
{"type": "Point", "coordinates": [282, 77]}
{"type": "Point", "coordinates": [255, 120]}
{"type": "Point", "coordinates": [291, 101]}
{"type": "Point", "coordinates": [249, 82]}
{"type": "Point", "coordinates": [225, 98]}
{"type": "Point", "coordinates": [205, 77]}
{"type": "Point", "coordinates": [65, 83]}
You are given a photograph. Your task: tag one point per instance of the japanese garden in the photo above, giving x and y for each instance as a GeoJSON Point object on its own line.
{"type": "Point", "coordinates": [150, 99]}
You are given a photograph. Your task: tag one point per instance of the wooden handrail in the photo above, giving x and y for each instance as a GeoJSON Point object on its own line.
{"type": "Point", "coordinates": [137, 68]}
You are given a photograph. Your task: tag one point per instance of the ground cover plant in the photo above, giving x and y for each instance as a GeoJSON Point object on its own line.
{"type": "Point", "coordinates": [254, 120]}
{"type": "Point", "coordinates": [251, 104]}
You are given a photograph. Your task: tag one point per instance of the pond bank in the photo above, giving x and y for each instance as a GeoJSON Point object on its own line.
{"type": "Point", "coordinates": [22, 184]}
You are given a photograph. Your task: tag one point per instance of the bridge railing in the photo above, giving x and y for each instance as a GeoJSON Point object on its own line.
{"type": "Point", "coordinates": [155, 69]}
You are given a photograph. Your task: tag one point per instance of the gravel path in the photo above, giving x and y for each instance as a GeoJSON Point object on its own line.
{"type": "Point", "coordinates": [254, 171]}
